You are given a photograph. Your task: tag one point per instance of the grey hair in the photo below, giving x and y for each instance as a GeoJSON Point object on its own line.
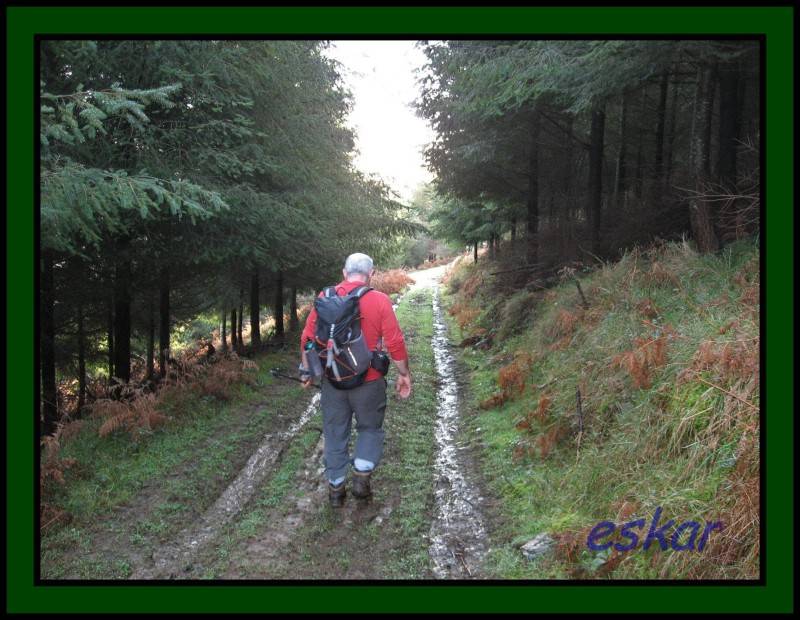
{"type": "Point", "coordinates": [358, 263]}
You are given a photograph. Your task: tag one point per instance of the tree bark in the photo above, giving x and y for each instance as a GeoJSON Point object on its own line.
{"type": "Point", "coordinates": [110, 333]}
{"type": "Point", "coordinates": [594, 208]}
{"type": "Point", "coordinates": [700, 212]}
{"type": "Point", "coordinates": [475, 252]}
{"type": "Point", "coordinates": [234, 330]}
{"type": "Point", "coordinates": [255, 319]}
{"type": "Point", "coordinates": [81, 360]}
{"type": "Point", "coordinates": [241, 318]}
{"type": "Point", "coordinates": [658, 154]}
{"type": "Point", "coordinates": [122, 311]}
{"type": "Point", "coordinates": [224, 337]}
{"type": "Point", "coordinates": [294, 321]}
{"type": "Point", "coordinates": [164, 322]}
{"type": "Point", "coordinates": [533, 193]}
{"type": "Point", "coordinates": [619, 188]}
{"type": "Point", "coordinates": [673, 120]}
{"type": "Point", "coordinates": [151, 340]}
{"type": "Point", "coordinates": [569, 155]}
{"type": "Point", "coordinates": [710, 90]}
{"type": "Point", "coordinates": [639, 175]}
{"type": "Point", "coordinates": [728, 124]}
{"type": "Point", "coordinates": [49, 392]}
{"type": "Point", "coordinates": [278, 306]}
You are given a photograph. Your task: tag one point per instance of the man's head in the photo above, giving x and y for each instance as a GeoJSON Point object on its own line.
{"type": "Point", "coordinates": [358, 267]}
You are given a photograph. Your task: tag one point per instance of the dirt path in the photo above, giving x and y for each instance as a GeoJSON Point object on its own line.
{"type": "Point", "coordinates": [271, 519]}
{"type": "Point", "coordinates": [177, 555]}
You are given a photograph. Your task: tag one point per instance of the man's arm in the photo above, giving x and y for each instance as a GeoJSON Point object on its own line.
{"type": "Point", "coordinates": [308, 334]}
{"type": "Point", "coordinates": [396, 345]}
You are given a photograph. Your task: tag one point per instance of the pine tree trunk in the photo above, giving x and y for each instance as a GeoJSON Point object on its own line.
{"type": "Point", "coordinates": [122, 311]}
{"type": "Point", "coordinates": [164, 322]}
{"type": "Point", "coordinates": [658, 154]}
{"type": "Point", "coordinates": [234, 330]}
{"type": "Point", "coordinates": [110, 333]}
{"type": "Point", "coordinates": [569, 155]}
{"type": "Point", "coordinates": [513, 231]}
{"type": "Point", "coordinates": [492, 254]}
{"type": "Point", "coordinates": [710, 91]}
{"type": "Point", "coordinates": [294, 320]}
{"type": "Point", "coordinates": [533, 193]}
{"type": "Point", "coordinates": [728, 124]}
{"type": "Point", "coordinates": [255, 319]}
{"type": "Point", "coordinates": [619, 188]}
{"type": "Point", "coordinates": [278, 306]}
{"type": "Point", "coordinates": [566, 211]}
{"type": "Point", "coordinates": [700, 212]}
{"type": "Point", "coordinates": [673, 119]}
{"type": "Point", "coordinates": [594, 208]}
{"type": "Point", "coordinates": [49, 392]}
{"type": "Point", "coordinates": [224, 335]}
{"type": "Point", "coordinates": [729, 134]}
{"type": "Point", "coordinates": [241, 319]}
{"type": "Point", "coordinates": [475, 252]}
{"type": "Point", "coordinates": [81, 360]}
{"type": "Point", "coordinates": [639, 174]}
{"type": "Point", "coordinates": [151, 341]}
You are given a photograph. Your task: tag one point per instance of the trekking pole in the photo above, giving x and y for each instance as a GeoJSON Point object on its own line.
{"type": "Point", "coordinates": [276, 372]}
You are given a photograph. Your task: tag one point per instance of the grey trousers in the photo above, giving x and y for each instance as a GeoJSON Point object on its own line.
{"type": "Point", "coordinates": [368, 403]}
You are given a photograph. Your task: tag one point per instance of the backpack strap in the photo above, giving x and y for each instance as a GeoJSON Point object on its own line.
{"type": "Point", "coordinates": [329, 291]}
{"type": "Point", "coordinates": [360, 292]}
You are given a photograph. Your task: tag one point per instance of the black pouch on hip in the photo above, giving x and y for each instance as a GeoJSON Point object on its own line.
{"type": "Point", "coordinates": [380, 362]}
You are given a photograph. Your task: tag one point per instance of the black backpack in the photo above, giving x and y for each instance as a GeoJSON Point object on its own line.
{"type": "Point", "coordinates": [338, 340]}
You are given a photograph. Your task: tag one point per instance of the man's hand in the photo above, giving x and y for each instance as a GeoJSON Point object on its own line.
{"type": "Point", "coordinates": [305, 376]}
{"type": "Point", "coordinates": [403, 385]}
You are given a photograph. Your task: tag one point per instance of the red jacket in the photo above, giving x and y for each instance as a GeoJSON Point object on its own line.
{"type": "Point", "coordinates": [378, 320]}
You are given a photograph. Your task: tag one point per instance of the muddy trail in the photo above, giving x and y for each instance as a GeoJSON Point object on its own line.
{"type": "Point", "coordinates": [177, 556]}
{"type": "Point", "coordinates": [270, 519]}
{"type": "Point", "coordinates": [458, 533]}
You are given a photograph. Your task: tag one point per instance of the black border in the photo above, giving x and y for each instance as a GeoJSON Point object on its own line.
{"type": "Point", "coordinates": [761, 38]}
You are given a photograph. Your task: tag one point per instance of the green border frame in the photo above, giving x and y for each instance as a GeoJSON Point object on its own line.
{"type": "Point", "coordinates": [23, 22]}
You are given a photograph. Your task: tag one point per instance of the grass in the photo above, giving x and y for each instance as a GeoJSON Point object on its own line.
{"type": "Point", "coordinates": [278, 486]}
{"type": "Point", "coordinates": [667, 422]}
{"type": "Point", "coordinates": [183, 463]}
{"type": "Point", "coordinates": [410, 426]}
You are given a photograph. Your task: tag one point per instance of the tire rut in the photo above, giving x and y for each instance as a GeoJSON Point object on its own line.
{"type": "Point", "coordinates": [174, 558]}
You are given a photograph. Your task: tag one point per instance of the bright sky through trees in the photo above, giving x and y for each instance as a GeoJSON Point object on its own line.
{"type": "Point", "coordinates": [390, 137]}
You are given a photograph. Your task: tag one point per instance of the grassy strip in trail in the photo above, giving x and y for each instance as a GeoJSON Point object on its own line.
{"type": "Point", "coordinates": [184, 463]}
{"type": "Point", "coordinates": [658, 432]}
{"type": "Point", "coordinates": [266, 507]}
{"type": "Point", "coordinates": [410, 431]}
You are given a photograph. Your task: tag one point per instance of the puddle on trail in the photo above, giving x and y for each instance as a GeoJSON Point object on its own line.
{"type": "Point", "coordinates": [172, 559]}
{"type": "Point", "coordinates": [458, 534]}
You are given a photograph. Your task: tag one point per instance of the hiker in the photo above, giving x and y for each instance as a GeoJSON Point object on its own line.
{"type": "Point", "coordinates": [364, 329]}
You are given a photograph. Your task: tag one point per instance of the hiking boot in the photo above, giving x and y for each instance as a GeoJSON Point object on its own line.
{"type": "Point", "coordinates": [336, 495]}
{"type": "Point", "coordinates": [361, 488]}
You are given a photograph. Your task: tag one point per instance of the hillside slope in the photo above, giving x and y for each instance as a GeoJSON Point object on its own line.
{"type": "Point", "coordinates": [646, 397]}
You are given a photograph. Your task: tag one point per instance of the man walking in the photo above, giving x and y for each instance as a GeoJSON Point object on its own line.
{"type": "Point", "coordinates": [367, 400]}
